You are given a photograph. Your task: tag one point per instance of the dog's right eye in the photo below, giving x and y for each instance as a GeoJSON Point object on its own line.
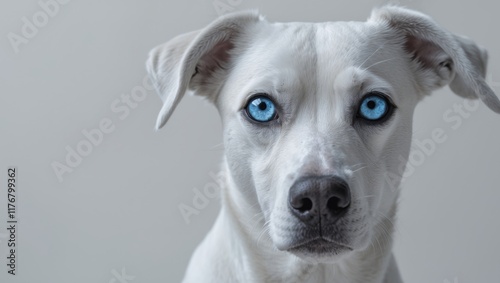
{"type": "Point", "coordinates": [375, 107]}
{"type": "Point", "coordinates": [261, 109]}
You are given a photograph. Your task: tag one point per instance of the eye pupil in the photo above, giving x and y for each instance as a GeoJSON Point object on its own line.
{"type": "Point", "coordinates": [371, 104]}
{"type": "Point", "coordinates": [262, 105]}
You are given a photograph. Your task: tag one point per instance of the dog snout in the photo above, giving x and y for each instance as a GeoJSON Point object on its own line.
{"type": "Point", "coordinates": [319, 199]}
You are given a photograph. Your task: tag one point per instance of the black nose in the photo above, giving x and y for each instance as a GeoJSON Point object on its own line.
{"type": "Point", "coordinates": [315, 197]}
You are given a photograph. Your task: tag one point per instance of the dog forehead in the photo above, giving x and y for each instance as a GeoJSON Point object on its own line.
{"type": "Point", "coordinates": [311, 50]}
{"type": "Point", "coordinates": [298, 43]}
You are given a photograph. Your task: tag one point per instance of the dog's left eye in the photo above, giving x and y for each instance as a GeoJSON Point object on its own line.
{"type": "Point", "coordinates": [374, 107]}
{"type": "Point", "coordinates": [261, 109]}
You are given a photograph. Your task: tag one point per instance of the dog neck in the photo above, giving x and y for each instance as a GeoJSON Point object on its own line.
{"type": "Point", "coordinates": [241, 250]}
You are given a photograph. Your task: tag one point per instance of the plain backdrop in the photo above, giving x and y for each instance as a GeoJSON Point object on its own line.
{"type": "Point", "coordinates": [117, 212]}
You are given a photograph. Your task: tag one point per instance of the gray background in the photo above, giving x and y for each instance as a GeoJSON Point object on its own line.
{"type": "Point", "coordinates": [119, 208]}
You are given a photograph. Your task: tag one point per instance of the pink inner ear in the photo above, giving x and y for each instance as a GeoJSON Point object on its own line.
{"type": "Point", "coordinates": [427, 53]}
{"type": "Point", "coordinates": [216, 59]}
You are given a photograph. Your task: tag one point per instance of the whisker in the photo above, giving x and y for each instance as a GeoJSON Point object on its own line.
{"type": "Point", "coordinates": [219, 146]}
{"type": "Point", "coordinates": [359, 169]}
{"type": "Point", "coordinates": [265, 230]}
{"type": "Point", "coordinates": [362, 197]}
{"type": "Point", "coordinates": [381, 46]}
{"type": "Point", "coordinates": [394, 226]}
{"type": "Point", "coordinates": [358, 164]}
{"type": "Point", "coordinates": [379, 62]}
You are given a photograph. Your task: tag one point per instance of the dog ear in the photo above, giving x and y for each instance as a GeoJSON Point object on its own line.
{"type": "Point", "coordinates": [442, 58]}
{"type": "Point", "coordinates": [195, 61]}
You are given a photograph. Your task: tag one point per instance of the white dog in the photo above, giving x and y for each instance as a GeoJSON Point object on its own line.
{"type": "Point", "coordinates": [315, 116]}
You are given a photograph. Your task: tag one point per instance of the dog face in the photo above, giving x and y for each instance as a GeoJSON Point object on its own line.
{"type": "Point", "coordinates": [317, 116]}
{"type": "Point", "coordinates": [315, 82]}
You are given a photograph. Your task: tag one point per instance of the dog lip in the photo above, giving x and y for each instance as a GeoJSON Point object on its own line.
{"type": "Point", "coordinates": [319, 242]}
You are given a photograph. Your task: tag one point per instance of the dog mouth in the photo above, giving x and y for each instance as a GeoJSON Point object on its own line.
{"type": "Point", "coordinates": [320, 246]}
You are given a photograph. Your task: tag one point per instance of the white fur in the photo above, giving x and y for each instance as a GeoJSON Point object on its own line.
{"type": "Point", "coordinates": [317, 74]}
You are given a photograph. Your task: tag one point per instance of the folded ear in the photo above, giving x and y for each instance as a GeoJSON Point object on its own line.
{"type": "Point", "coordinates": [441, 58]}
{"type": "Point", "coordinates": [196, 61]}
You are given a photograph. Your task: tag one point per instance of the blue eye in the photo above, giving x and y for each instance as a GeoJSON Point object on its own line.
{"type": "Point", "coordinates": [374, 107]}
{"type": "Point", "coordinates": [261, 109]}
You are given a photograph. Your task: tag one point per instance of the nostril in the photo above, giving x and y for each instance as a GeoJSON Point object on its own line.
{"type": "Point", "coordinates": [336, 205]}
{"type": "Point", "coordinates": [302, 204]}
{"type": "Point", "coordinates": [306, 205]}
{"type": "Point", "coordinates": [333, 205]}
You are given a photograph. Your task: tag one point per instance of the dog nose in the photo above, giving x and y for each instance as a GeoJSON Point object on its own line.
{"type": "Point", "coordinates": [315, 197]}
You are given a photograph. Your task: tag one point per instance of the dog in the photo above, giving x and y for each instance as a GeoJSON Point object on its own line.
{"type": "Point", "coordinates": [315, 117]}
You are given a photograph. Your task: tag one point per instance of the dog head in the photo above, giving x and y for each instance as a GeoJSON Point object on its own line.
{"type": "Point", "coordinates": [317, 115]}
